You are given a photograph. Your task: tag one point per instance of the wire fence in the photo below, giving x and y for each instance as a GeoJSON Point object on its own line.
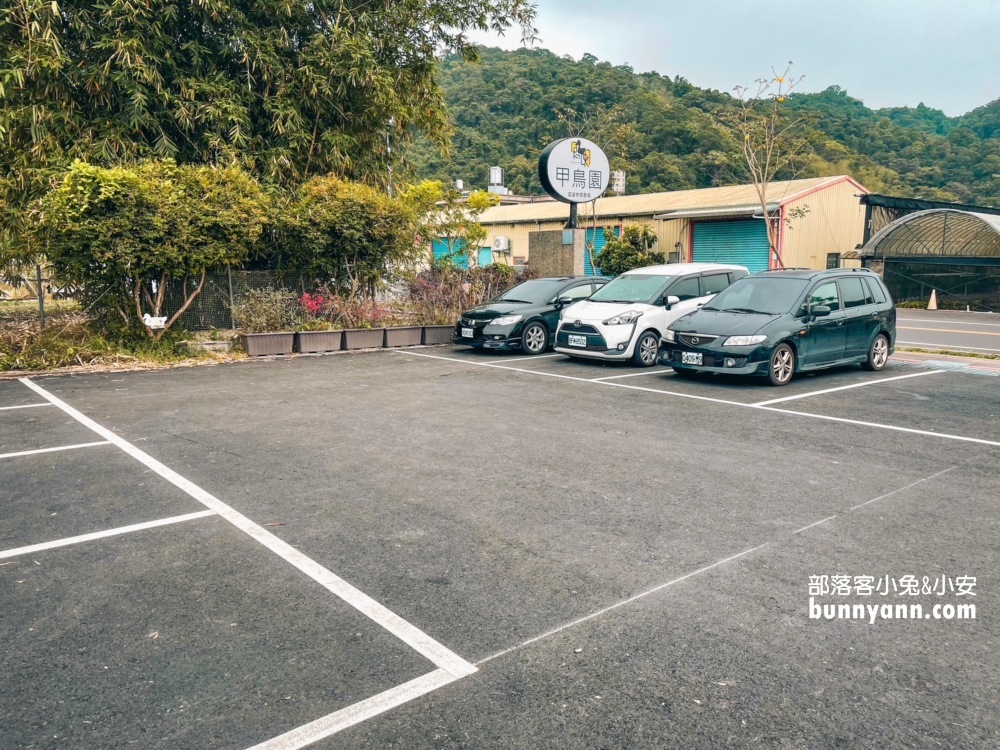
{"type": "Point", "coordinates": [213, 307]}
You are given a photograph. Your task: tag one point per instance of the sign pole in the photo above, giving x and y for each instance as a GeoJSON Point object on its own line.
{"type": "Point", "coordinates": [571, 224]}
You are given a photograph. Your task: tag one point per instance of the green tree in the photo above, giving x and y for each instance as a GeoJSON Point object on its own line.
{"type": "Point", "coordinates": [289, 88]}
{"type": "Point", "coordinates": [352, 235]}
{"type": "Point", "coordinates": [632, 250]}
{"type": "Point", "coordinates": [122, 235]}
{"type": "Point", "coordinates": [448, 216]}
{"type": "Point", "coordinates": [507, 108]}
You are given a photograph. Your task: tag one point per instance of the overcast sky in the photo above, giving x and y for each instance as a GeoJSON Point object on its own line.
{"type": "Point", "coordinates": [944, 53]}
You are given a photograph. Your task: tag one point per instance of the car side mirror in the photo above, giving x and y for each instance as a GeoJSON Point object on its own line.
{"type": "Point", "coordinates": [670, 301]}
{"type": "Point", "coordinates": [820, 311]}
{"type": "Point", "coordinates": [563, 301]}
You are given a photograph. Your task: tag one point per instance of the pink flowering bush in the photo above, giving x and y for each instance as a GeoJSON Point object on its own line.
{"type": "Point", "coordinates": [325, 309]}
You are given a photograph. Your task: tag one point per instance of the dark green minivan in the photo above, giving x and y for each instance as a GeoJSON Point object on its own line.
{"type": "Point", "coordinates": [777, 323]}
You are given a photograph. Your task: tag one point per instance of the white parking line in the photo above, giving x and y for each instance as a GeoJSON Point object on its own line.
{"type": "Point", "coordinates": [348, 717]}
{"type": "Point", "coordinates": [579, 380]}
{"type": "Point", "coordinates": [104, 534]}
{"type": "Point", "coordinates": [814, 524]}
{"type": "Point", "coordinates": [536, 356]}
{"type": "Point", "coordinates": [622, 603]}
{"type": "Point", "coordinates": [416, 639]}
{"type": "Point", "coordinates": [53, 450]}
{"type": "Point", "coordinates": [928, 433]}
{"type": "Point", "coordinates": [25, 406]}
{"type": "Point", "coordinates": [848, 387]}
{"type": "Point", "coordinates": [913, 484]}
{"type": "Point", "coordinates": [659, 371]}
{"type": "Point", "coordinates": [689, 575]}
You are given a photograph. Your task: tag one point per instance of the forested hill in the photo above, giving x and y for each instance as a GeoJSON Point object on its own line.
{"type": "Point", "coordinates": [506, 107]}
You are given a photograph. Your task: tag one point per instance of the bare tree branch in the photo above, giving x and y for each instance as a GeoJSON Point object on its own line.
{"type": "Point", "coordinates": [766, 138]}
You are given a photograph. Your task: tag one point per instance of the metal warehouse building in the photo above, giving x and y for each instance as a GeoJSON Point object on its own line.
{"type": "Point", "coordinates": [722, 224]}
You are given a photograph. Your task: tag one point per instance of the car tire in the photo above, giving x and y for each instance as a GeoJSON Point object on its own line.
{"type": "Point", "coordinates": [647, 349]}
{"type": "Point", "coordinates": [878, 354]}
{"type": "Point", "coordinates": [683, 372]}
{"type": "Point", "coordinates": [534, 338]}
{"type": "Point", "coordinates": [781, 366]}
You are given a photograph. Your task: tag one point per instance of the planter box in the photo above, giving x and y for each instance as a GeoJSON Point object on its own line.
{"type": "Point", "coordinates": [363, 338]}
{"type": "Point", "coordinates": [264, 344]}
{"type": "Point", "coordinates": [408, 336]}
{"type": "Point", "coordinates": [319, 341]}
{"type": "Point", "coordinates": [438, 334]}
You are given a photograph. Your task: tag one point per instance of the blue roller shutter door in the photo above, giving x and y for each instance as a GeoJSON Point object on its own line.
{"type": "Point", "coordinates": [743, 242]}
{"type": "Point", "coordinates": [485, 256]}
{"type": "Point", "coordinates": [595, 236]}
{"type": "Point", "coordinates": [440, 248]}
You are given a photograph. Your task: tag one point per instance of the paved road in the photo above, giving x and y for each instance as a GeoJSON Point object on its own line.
{"type": "Point", "coordinates": [949, 329]}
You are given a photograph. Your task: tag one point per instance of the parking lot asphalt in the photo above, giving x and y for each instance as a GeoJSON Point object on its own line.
{"type": "Point", "coordinates": [624, 555]}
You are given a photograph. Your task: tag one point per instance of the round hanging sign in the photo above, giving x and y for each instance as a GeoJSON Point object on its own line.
{"type": "Point", "coordinates": [574, 170]}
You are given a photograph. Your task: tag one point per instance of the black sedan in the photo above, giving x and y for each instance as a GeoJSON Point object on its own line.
{"type": "Point", "coordinates": [525, 317]}
{"type": "Point", "coordinates": [777, 323]}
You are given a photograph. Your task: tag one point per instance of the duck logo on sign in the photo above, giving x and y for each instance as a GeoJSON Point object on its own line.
{"type": "Point", "coordinates": [574, 170]}
{"type": "Point", "coordinates": [581, 155]}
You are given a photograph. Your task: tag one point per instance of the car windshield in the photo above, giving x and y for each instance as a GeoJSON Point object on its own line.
{"type": "Point", "coordinates": [533, 292]}
{"type": "Point", "coordinates": [631, 287]}
{"type": "Point", "coordinates": [769, 295]}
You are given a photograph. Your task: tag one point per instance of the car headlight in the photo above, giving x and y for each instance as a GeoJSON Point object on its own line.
{"type": "Point", "coordinates": [744, 340]}
{"type": "Point", "coordinates": [561, 313]}
{"type": "Point", "coordinates": [506, 320]}
{"type": "Point", "coordinates": [625, 318]}
{"type": "Point", "coordinates": [668, 335]}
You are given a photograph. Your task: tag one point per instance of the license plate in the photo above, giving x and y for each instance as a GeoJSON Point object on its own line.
{"type": "Point", "coordinates": [578, 341]}
{"type": "Point", "coordinates": [468, 333]}
{"type": "Point", "coordinates": [691, 358]}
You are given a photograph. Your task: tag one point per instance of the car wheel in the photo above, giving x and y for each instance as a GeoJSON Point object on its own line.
{"type": "Point", "coordinates": [782, 365]}
{"type": "Point", "coordinates": [647, 349]}
{"type": "Point", "coordinates": [683, 372]}
{"type": "Point", "coordinates": [878, 354]}
{"type": "Point", "coordinates": [535, 338]}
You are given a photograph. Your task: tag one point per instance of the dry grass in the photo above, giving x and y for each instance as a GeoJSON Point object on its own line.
{"type": "Point", "coordinates": [70, 341]}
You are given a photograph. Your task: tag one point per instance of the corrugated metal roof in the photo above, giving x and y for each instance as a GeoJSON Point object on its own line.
{"type": "Point", "coordinates": [751, 209]}
{"type": "Point", "coordinates": [656, 203]}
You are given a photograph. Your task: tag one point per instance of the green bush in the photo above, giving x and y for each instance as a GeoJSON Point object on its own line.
{"type": "Point", "coordinates": [628, 252]}
{"type": "Point", "coordinates": [354, 237]}
{"type": "Point", "coordinates": [122, 235]}
{"type": "Point", "coordinates": [264, 310]}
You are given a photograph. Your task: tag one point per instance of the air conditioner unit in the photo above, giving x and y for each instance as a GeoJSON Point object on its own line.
{"type": "Point", "coordinates": [501, 244]}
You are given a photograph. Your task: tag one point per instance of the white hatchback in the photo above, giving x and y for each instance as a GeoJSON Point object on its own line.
{"type": "Point", "coordinates": [626, 317]}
